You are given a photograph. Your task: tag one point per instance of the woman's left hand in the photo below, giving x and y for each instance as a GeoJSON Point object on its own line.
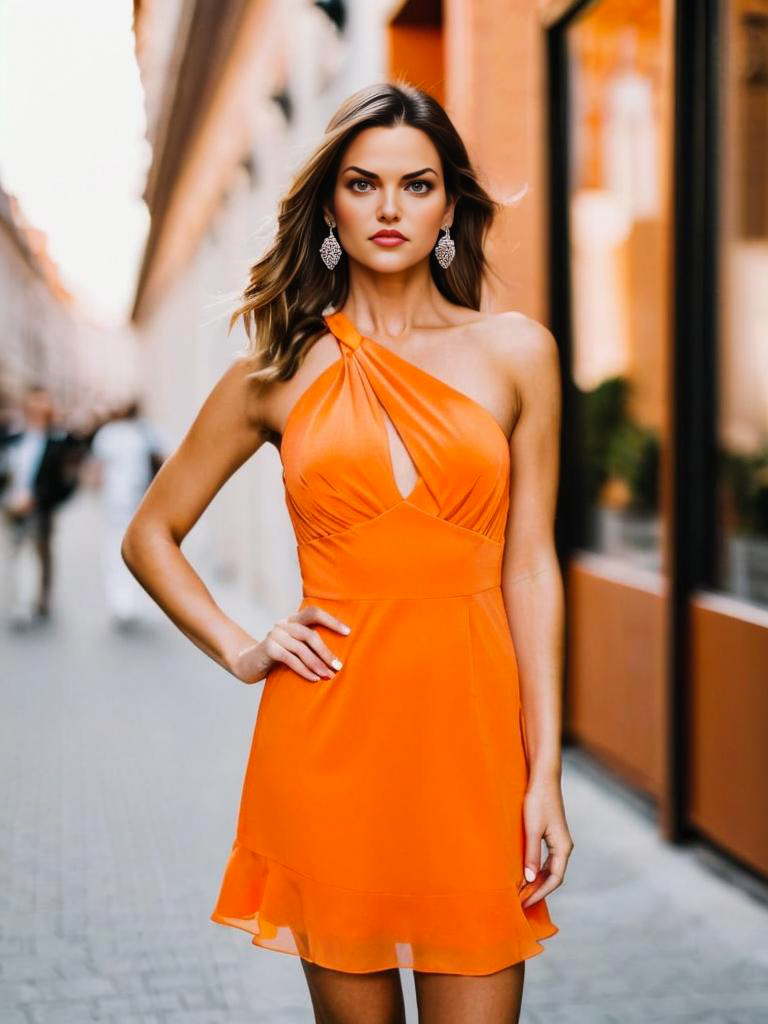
{"type": "Point", "coordinates": [544, 818]}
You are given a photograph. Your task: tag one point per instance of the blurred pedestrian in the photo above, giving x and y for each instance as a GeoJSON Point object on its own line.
{"type": "Point", "coordinates": [127, 451]}
{"type": "Point", "coordinates": [40, 471]}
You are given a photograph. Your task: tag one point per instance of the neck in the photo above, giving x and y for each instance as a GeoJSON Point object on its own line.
{"type": "Point", "coordinates": [392, 306]}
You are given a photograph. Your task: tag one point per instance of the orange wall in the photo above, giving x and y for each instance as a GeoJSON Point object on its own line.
{"type": "Point", "coordinates": [495, 93]}
{"type": "Point", "coordinates": [486, 66]}
{"type": "Point", "coordinates": [616, 668]}
{"type": "Point", "coordinates": [416, 54]}
{"type": "Point", "coordinates": [729, 760]}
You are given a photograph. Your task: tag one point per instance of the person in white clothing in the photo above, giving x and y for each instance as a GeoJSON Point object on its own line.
{"type": "Point", "coordinates": [127, 450]}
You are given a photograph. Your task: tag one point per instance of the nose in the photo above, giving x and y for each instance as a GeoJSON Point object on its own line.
{"type": "Point", "coordinates": [389, 209]}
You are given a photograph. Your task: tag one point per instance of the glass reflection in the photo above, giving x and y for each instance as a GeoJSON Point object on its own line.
{"type": "Point", "coordinates": [743, 379]}
{"type": "Point", "coordinates": [618, 268]}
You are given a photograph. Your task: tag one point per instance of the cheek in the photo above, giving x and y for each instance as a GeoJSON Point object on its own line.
{"type": "Point", "coordinates": [427, 212]}
{"type": "Point", "coordinates": [351, 209]}
{"type": "Point", "coordinates": [426, 222]}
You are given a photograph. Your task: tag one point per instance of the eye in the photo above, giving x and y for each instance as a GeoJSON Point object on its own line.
{"type": "Point", "coordinates": [428, 186]}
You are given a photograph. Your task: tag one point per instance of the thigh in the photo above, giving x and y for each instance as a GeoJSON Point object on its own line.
{"type": "Point", "coordinates": [343, 997]}
{"type": "Point", "coordinates": [470, 999]}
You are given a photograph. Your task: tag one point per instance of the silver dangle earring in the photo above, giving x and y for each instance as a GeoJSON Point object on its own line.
{"type": "Point", "coordinates": [330, 250]}
{"type": "Point", "coordinates": [445, 249]}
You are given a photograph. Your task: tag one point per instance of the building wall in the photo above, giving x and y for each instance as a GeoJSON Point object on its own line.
{"type": "Point", "coordinates": [245, 535]}
{"type": "Point", "coordinates": [494, 89]}
{"type": "Point", "coordinates": [420, 49]}
{"type": "Point", "coordinates": [44, 340]}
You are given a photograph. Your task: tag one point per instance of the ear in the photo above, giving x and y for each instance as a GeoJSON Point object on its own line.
{"type": "Point", "coordinates": [450, 209]}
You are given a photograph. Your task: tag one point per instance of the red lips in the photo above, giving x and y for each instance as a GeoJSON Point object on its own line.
{"type": "Point", "coordinates": [384, 233]}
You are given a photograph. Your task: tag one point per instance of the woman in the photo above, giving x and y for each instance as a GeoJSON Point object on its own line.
{"type": "Point", "coordinates": [395, 791]}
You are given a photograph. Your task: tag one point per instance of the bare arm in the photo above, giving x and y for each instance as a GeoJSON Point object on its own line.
{"type": "Point", "coordinates": [533, 594]}
{"type": "Point", "coordinates": [227, 430]}
{"type": "Point", "coordinates": [223, 435]}
{"type": "Point", "coordinates": [531, 578]}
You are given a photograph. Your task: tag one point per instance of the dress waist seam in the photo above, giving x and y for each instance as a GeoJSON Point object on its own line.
{"type": "Point", "coordinates": [400, 597]}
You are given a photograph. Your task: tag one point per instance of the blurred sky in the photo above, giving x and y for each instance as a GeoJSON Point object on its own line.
{"type": "Point", "coordinates": [72, 145]}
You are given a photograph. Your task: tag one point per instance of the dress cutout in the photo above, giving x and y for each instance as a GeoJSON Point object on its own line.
{"type": "Point", "coordinates": [380, 822]}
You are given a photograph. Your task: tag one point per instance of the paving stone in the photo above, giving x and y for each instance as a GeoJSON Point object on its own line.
{"type": "Point", "coordinates": [135, 1018]}
{"type": "Point", "coordinates": [11, 1016]}
{"type": "Point", "coordinates": [60, 1013]}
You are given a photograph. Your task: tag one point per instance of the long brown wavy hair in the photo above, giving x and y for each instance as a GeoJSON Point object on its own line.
{"type": "Point", "coordinates": [290, 287]}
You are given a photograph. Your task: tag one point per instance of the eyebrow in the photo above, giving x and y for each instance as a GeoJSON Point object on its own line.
{"type": "Point", "coordinates": [405, 177]}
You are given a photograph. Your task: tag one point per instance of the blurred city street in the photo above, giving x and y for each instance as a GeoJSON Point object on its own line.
{"type": "Point", "coordinates": [121, 761]}
{"type": "Point", "coordinates": [167, 170]}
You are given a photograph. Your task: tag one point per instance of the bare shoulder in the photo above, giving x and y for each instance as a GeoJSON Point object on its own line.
{"type": "Point", "coordinates": [523, 345]}
{"type": "Point", "coordinates": [231, 415]}
{"type": "Point", "coordinates": [245, 394]}
{"type": "Point", "coordinates": [525, 354]}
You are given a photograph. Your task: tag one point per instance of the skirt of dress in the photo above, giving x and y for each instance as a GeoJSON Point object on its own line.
{"type": "Point", "coordinates": [380, 821]}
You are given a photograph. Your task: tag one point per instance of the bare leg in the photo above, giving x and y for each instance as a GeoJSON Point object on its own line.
{"type": "Point", "coordinates": [470, 999]}
{"type": "Point", "coordinates": [342, 997]}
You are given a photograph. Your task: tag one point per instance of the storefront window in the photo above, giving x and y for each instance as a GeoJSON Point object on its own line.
{"type": "Point", "coordinates": [743, 327]}
{"type": "Point", "coordinates": [619, 91]}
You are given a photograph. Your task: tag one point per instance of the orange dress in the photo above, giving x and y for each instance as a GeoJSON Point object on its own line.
{"type": "Point", "coordinates": [380, 822]}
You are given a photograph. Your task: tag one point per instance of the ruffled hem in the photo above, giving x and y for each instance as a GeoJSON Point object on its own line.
{"type": "Point", "coordinates": [459, 932]}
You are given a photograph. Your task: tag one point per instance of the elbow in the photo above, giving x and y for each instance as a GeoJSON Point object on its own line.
{"type": "Point", "coordinates": [128, 548]}
{"type": "Point", "coordinates": [142, 542]}
{"type": "Point", "coordinates": [135, 540]}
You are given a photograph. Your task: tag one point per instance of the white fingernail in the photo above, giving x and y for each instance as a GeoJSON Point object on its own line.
{"type": "Point", "coordinates": [336, 663]}
{"type": "Point", "coordinates": [530, 874]}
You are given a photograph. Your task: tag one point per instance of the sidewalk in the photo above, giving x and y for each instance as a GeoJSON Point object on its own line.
{"type": "Point", "coordinates": [121, 760]}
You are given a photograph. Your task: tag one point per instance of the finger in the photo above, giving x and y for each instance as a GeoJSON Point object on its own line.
{"type": "Point", "coordinates": [313, 639]}
{"type": "Point", "coordinates": [532, 854]}
{"type": "Point", "coordinates": [280, 651]}
{"type": "Point", "coordinates": [314, 613]}
{"type": "Point", "coordinates": [553, 873]}
{"type": "Point", "coordinates": [544, 890]}
{"type": "Point", "coordinates": [531, 890]}
{"type": "Point", "coordinates": [297, 647]}
{"type": "Point", "coordinates": [298, 666]}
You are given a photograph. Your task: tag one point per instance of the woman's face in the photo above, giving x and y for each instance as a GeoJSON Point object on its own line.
{"type": "Point", "coordinates": [390, 179]}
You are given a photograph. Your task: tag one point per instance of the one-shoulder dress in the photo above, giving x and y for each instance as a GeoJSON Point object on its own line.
{"type": "Point", "coordinates": [380, 823]}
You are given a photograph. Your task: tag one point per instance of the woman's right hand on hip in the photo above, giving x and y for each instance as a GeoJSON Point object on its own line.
{"type": "Point", "coordinates": [293, 642]}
